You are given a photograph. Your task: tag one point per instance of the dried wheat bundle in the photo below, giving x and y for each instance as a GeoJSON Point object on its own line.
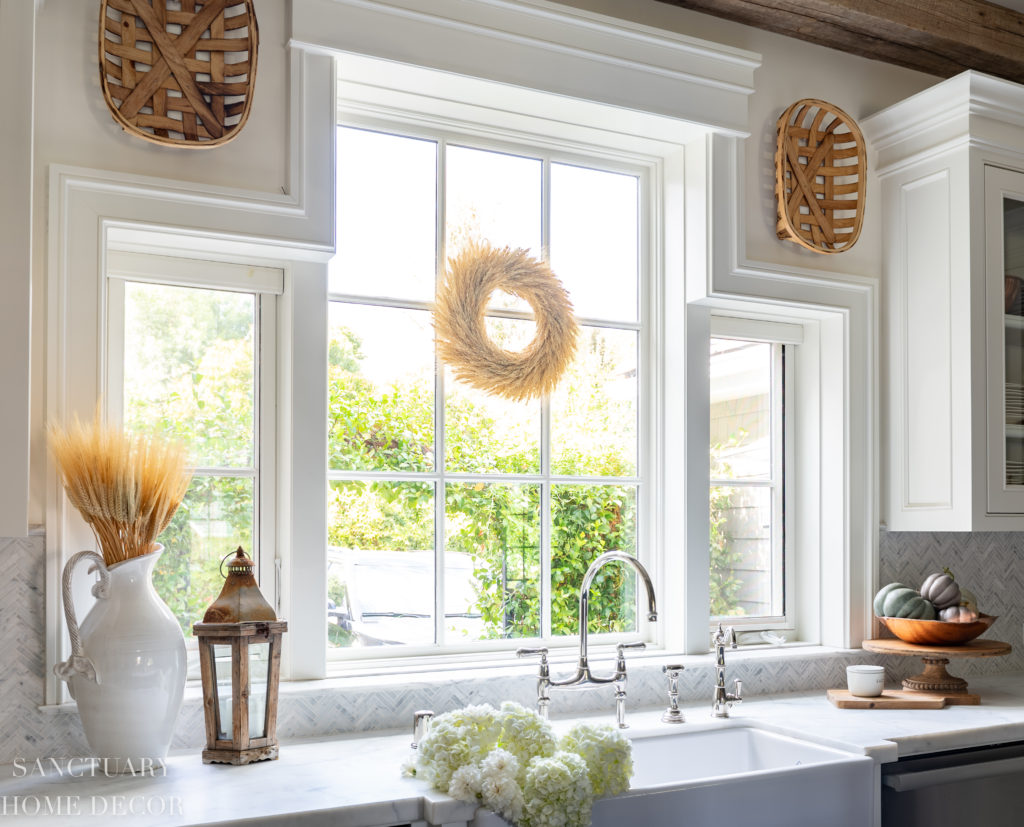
{"type": "Point", "coordinates": [462, 338]}
{"type": "Point", "coordinates": [127, 488]}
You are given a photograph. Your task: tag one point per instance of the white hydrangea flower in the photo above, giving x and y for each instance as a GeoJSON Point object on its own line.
{"type": "Point", "coordinates": [526, 735]}
{"type": "Point", "coordinates": [466, 782]}
{"type": "Point", "coordinates": [557, 792]}
{"type": "Point", "coordinates": [457, 738]}
{"type": "Point", "coordinates": [500, 762]}
{"type": "Point", "coordinates": [607, 753]}
{"type": "Point", "coordinates": [512, 763]}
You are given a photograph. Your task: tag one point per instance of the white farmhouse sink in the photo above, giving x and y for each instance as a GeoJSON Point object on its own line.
{"type": "Point", "coordinates": [710, 775]}
{"type": "Point", "coordinates": [709, 753]}
{"type": "Point", "coordinates": [741, 775]}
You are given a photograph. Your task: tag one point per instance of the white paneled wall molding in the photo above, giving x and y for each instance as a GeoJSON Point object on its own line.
{"type": "Point", "coordinates": [836, 518]}
{"type": "Point", "coordinates": [92, 211]}
{"type": "Point", "coordinates": [17, 55]}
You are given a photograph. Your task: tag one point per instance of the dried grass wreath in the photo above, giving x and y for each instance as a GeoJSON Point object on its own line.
{"type": "Point", "coordinates": [462, 338]}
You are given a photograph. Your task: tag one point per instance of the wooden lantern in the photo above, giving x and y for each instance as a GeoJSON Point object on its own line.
{"type": "Point", "coordinates": [240, 661]}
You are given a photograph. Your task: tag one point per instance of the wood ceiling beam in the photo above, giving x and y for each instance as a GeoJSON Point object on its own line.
{"type": "Point", "coordinates": [940, 37]}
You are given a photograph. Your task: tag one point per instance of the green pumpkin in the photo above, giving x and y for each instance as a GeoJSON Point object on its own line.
{"type": "Point", "coordinates": [879, 601]}
{"type": "Point", "coordinates": [906, 602]}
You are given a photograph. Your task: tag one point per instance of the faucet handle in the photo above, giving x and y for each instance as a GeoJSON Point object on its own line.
{"type": "Point", "coordinates": [737, 696]}
{"type": "Point", "coordinates": [620, 662]}
{"type": "Point", "coordinates": [543, 678]}
{"type": "Point", "coordinates": [543, 652]}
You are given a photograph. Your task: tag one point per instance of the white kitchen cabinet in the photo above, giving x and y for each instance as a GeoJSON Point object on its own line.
{"type": "Point", "coordinates": [951, 165]}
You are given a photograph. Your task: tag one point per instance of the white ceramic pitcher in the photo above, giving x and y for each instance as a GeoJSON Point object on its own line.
{"type": "Point", "coordinates": [127, 664]}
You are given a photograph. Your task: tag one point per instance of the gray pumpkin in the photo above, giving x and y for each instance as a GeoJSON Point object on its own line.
{"type": "Point", "coordinates": [941, 589]}
{"type": "Point", "coordinates": [958, 614]}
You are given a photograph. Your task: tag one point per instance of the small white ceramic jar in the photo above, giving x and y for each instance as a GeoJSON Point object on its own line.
{"type": "Point", "coordinates": [865, 680]}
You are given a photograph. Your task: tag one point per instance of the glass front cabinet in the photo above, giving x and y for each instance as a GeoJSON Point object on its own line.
{"type": "Point", "coordinates": [952, 306]}
{"type": "Point", "coordinates": [1004, 270]}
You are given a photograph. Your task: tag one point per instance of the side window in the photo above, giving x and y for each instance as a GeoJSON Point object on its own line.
{"type": "Point", "coordinates": [748, 479]}
{"type": "Point", "coordinates": [185, 361]}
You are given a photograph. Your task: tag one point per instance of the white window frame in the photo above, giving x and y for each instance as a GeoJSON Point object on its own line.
{"type": "Point", "coordinates": [548, 150]}
{"type": "Point", "coordinates": [264, 284]}
{"type": "Point", "coordinates": [408, 101]}
{"type": "Point", "coordinates": [784, 483]}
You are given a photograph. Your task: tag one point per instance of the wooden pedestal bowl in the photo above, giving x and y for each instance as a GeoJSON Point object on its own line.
{"type": "Point", "coordinates": [937, 632]}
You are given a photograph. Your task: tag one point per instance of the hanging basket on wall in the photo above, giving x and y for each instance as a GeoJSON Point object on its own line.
{"type": "Point", "coordinates": [459, 322]}
{"type": "Point", "coordinates": [179, 72]}
{"type": "Point", "coordinates": [820, 177]}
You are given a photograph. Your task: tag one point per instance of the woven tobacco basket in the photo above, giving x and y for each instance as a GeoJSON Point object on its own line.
{"type": "Point", "coordinates": [820, 177]}
{"type": "Point", "coordinates": [179, 72]}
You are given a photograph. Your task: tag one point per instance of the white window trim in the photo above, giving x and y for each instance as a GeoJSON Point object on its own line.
{"type": "Point", "coordinates": [809, 591]}
{"type": "Point", "coordinates": [544, 46]}
{"type": "Point", "coordinates": [291, 231]}
{"type": "Point", "coordinates": [404, 100]}
{"type": "Point", "coordinates": [840, 519]}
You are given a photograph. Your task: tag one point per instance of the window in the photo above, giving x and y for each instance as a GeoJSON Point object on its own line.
{"type": "Point", "coordinates": [455, 517]}
{"type": "Point", "coordinates": [747, 480]}
{"type": "Point", "coordinates": [186, 362]}
{"type": "Point", "coordinates": [753, 403]}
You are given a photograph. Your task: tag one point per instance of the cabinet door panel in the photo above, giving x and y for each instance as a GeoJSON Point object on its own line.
{"type": "Point", "coordinates": [1004, 300]}
{"type": "Point", "coordinates": [928, 357]}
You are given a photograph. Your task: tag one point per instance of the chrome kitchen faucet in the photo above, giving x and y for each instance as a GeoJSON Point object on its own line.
{"type": "Point", "coordinates": [584, 678]}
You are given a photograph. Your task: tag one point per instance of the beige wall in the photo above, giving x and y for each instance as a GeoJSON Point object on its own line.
{"type": "Point", "coordinates": [73, 127]}
{"type": "Point", "coordinates": [791, 70]}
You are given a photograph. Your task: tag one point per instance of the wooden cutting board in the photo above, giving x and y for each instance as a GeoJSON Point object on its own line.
{"type": "Point", "coordinates": [889, 699]}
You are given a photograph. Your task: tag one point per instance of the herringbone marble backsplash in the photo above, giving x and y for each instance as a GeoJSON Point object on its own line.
{"type": "Point", "coordinates": [989, 564]}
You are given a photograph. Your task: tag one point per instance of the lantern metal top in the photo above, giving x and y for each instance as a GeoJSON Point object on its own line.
{"type": "Point", "coordinates": [240, 600]}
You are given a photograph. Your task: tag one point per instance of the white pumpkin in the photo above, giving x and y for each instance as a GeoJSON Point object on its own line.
{"type": "Point", "coordinates": [958, 614]}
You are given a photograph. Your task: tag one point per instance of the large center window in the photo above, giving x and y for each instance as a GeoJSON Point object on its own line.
{"type": "Point", "coordinates": [456, 517]}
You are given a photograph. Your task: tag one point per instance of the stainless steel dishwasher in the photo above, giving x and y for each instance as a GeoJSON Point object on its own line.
{"type": "Point", "coordinates": [970, 787]}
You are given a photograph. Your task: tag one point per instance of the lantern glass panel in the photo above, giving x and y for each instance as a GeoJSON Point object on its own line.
{"type": "Point", "coordinates": [222, 680]}
{"type": "Point", "coordinates": [259, 671]}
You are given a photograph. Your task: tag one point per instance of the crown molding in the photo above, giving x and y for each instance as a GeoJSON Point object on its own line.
{"type": "Point", "coordinates": [970, 109]}
{"type": "Point", "coordinates": [545, 46]}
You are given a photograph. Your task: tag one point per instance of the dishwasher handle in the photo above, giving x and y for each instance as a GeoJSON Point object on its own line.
{"type": "Point", "coordinates": [903, 781]}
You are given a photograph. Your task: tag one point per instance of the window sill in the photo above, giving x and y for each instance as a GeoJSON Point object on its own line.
{"type": "Point", "coordinates": [363, 674]}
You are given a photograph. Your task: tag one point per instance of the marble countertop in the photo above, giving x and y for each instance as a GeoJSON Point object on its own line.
{"type": "Point", "coordinates": [356, 781]}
